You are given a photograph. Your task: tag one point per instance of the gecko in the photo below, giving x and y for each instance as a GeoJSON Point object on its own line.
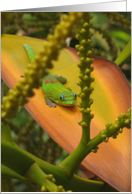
{"type": "Point", "coordinates": [52, 86]}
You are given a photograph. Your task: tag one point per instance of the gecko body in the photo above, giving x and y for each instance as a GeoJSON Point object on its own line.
{"type": "Point", "coordinates": [52, 86]}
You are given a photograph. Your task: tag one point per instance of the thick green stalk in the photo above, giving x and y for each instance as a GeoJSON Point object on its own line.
{"type": "Point", "coordinates": [124, 55]}
{"type": "Point", "coordinates": [21, 164]}
{"type": "Point", "coordinates": [72, 162]}
{"type": "Point", "coordinates": [35, 174]}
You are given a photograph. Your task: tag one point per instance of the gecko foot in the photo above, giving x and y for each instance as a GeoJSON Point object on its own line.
{"type": "Point", "coordinates": [50, 103]}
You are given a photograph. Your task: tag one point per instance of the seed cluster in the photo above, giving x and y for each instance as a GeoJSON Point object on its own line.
{"type": "Point", "coordinates": [85, 51]}
{"type": "Point", "coordinates": [50, 178]}
{"type": "Point", "coordinates": [61, 189]}
{"type": "Point", "coordinates": [112, 130]}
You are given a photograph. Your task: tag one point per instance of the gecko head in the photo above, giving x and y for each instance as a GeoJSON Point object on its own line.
{"type": "Point", "coordinates": [67, 99]}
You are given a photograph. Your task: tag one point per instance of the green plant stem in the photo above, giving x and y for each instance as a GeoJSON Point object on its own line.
{"type": "Point", "coordinates": [72, 162]}
{"type": "Point", "coordinates": [86, 131]}
{"type": "Point", "coordinates": [35, 174]}
{"type": "Point", "coordinates": [5, 171]}
{"type": "Point", "coordinates": [11, 156]}
{"type": "Point", "coordinates": [20, 161]}
{"type": "Point", "coordinates": [124, 55]}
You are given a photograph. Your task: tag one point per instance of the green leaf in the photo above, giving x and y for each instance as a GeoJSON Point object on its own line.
{"type": "Point", "coordinates": [125, 54]}
{"type": "Point", "coordinates": [5, 171]}
{"type": "Point", "coordinates": [15, 159]}
{"type": "Point", "coordinates": [6, 134]}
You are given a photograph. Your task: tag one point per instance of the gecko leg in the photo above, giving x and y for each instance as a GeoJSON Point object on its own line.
{"type": "Point", "coordinates": [61, 79]}
{"type": "Point", "coordinates": [69, 89]}
{"type": "Point", "coordinates": [49, 102]}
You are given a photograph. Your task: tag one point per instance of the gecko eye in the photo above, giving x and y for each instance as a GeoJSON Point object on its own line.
{"type": "Point", "coordinates": [74, 95]}
{"type": "Point", "coordinates": [61, 97]}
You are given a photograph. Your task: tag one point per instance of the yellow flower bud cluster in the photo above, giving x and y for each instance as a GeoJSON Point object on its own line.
{"type": "Point", "coordinates": [43, 189]}
{"type": "Point", "coordinates": [34, 73]}
{"type": "Point", "coordinates": [51, 178]}
{"type": "Point", "coordinates": [112, 130]}
{"type": "Point", "coordinates": [61, 189]}
{"type": "Point", "coordinates": [85, 51]}
{"type": "Point", "coordinates": [94, 150]}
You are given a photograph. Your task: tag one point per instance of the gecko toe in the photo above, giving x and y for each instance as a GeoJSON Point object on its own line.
{"type": "Point", "coordinates": [50, 103]}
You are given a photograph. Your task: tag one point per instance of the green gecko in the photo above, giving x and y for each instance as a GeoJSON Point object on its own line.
{"type": "Point", "coordinates": [52, 86]}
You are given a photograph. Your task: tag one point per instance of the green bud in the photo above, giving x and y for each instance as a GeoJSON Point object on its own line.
{"type": "Point", "coordinates": [87, 60]}
{"type": "Point", "coordinates": [80, 76]}
{"type": "Point", "coordinates": [116, 126]}
{"type": "Point", "coordinates": [91, 89]}
{"type": "Point", "coordinates": [84, 124]}
{"type": "Point", "coordinates": [114, 136]}
{"type": "Point", "coordinates": [77, 46]}
{"type": "Point", "coordinates": [43, 189]}
{"type": "Point", "coordinates": [91, 116]}
{"type": "Point", "coordinates": [94, 150]}
{"type": "Point", "coordinates": [87, 71]}
{"type": "Point", "coordinates": [86, 25]}
{"type": "Point", "coordinates": [79, 64]}
{"type": "Point", "coordinates": [89, 53]}
{"type": "Point", "coordinates": [121, 116]}
{"type": "Point", "coordinates": [87, 110]}
{"type": "Point", "coordinates": [78, 53]}
{"type": "Point", "coordinates": [91, 68]}
{"type": "Point", "coordinates": [90, 101]}
{"type": "Point", "coordinates": [89, 40]}
{"type": "Point", "coordinates": [127, 121]}
{"type": "Point", "coordinates": [83, 42]}
{"type": "Point", "coordinates": [79, 83]}
{"type": "Point", "coordinates": [86, 89]}
{"type": "Point", "coordinates": [92, 79]}
{"type": "Point", "coordinates": [108, 124]}
{"type": "Point", "coordinates": [82, 95]}
{"type": "Point", "coordinates": [120, 130]}
{"type": "Point", "coordinates": [77, 36]}
{"type": "Point", "coordinates": [83, 31]}
{"type": "Point", "coordinates": [82, 110]}
{"type": "Point", "coordinates": [82, 59]}
{"type": "Point", "coordinates": [78, 94]}
{"type": "Point", "coordinates": [106, 139]}
{"type": "Point", "coordinates": [103, 136]}
{"type": "Point", "coordinates": [79, 122]}
{"type": "Point", "coordinates": [79, 105]}
{"type": "Point", "coordinates": [81, 48]}
{"type": "Point", "coordinates": [85, 77]}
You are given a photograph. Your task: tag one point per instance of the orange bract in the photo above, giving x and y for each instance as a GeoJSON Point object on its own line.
{"type": "Point", "coordinates": [111, 96]}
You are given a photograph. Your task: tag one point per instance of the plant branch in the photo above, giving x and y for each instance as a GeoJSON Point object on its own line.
{"type": "Point", "coordinates": [124, 55]}
{"type": "Point", "coordinates": [21, 164]}
{"type": "Point", "coordinates": [72, 162]}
